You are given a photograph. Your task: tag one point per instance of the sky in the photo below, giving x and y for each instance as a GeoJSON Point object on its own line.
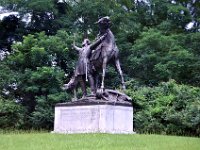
{"type": "Point", "coordinates": [4, 13]}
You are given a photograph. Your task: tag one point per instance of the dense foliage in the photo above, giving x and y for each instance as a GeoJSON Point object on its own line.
{"type": "Point", "coordinates": [168, 108]}
{"type": "Point", "coordinates": [159, 53]}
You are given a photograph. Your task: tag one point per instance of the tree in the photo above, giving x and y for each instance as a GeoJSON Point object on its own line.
{"type": "Point", "coordinates": [37, 65]}
{"type": "Point", "coordinates": [156, 57]}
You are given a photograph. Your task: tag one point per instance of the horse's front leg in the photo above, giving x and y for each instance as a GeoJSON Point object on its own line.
{"type": "Point", "coordinates": [117, 63]}
{"type": "Point", "coordinates": [105, 60]}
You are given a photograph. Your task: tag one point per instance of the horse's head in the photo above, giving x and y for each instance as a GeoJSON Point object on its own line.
{"type": "Point", "coordinates": [104, 23]}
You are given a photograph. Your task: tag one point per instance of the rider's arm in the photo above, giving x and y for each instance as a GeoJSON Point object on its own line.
{"type": "Point", "coordinates": [76, 47]}
{"type": "Point", "coordinates": [97, 42]}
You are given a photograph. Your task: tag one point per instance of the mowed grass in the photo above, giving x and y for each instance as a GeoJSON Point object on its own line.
{"type": "Point", "coordinates": [48, 141]}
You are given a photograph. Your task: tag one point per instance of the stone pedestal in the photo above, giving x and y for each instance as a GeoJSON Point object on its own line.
{"type": "Point", "coordinates": [93, 117]}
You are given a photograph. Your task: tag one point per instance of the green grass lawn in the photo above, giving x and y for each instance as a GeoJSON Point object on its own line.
{"type": "Point", "coordinates": [48, 141]}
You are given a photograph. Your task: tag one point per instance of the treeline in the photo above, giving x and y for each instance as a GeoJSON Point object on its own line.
{"type": "Point", "coordinates": [159, 52]}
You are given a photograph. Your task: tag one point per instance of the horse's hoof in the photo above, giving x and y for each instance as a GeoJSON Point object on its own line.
{"type": "Point", "coordinates": [84, 97]}
{"type": "Point", "coordinates": [74, 99]}
{"type": "Point", "coordinates": [65, 87]}
{"type": "Point", "coordinates": [99, 93]}
{"type": "Point", "coordinates": [92, 95]}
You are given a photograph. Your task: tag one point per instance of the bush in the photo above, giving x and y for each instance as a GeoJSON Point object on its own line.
{"type": "Point", "coordinates": [169, 108]}
{"type": "Point", "coordinates": [11, 114]}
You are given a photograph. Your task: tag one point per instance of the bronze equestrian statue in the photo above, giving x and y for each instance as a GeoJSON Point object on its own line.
{"type": "Point", "coordinates": [106, 52]}
{"type": "Point", "coordinates": [93, 58]}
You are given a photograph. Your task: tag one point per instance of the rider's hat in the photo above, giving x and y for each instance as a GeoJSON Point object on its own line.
{"type": "Point", "coordinates": [104, 20]}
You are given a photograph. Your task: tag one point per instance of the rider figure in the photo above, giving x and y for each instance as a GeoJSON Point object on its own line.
{"type": "Point", "coordinates": [83, 66]}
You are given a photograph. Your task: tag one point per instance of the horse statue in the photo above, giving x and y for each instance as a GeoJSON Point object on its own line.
{"type": "Point", "coordinates": [106, 52]}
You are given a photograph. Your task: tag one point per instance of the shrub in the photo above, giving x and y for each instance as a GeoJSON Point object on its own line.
{"type": "Point", "coordinates": [168, 108]}
{"type": "Point", "coordinates": [11, 114]}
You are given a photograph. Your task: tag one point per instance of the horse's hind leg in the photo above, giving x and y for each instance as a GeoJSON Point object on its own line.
{"type": "Point", "coordinates": [117, 63]}
{"type": "Point", "coordinates": [73, 86]}
{"type": "Point", "coordinates": [75, 94]}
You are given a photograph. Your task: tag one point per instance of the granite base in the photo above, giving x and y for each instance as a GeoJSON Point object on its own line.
{"type": "Point", "coordinates": [93, 118]}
